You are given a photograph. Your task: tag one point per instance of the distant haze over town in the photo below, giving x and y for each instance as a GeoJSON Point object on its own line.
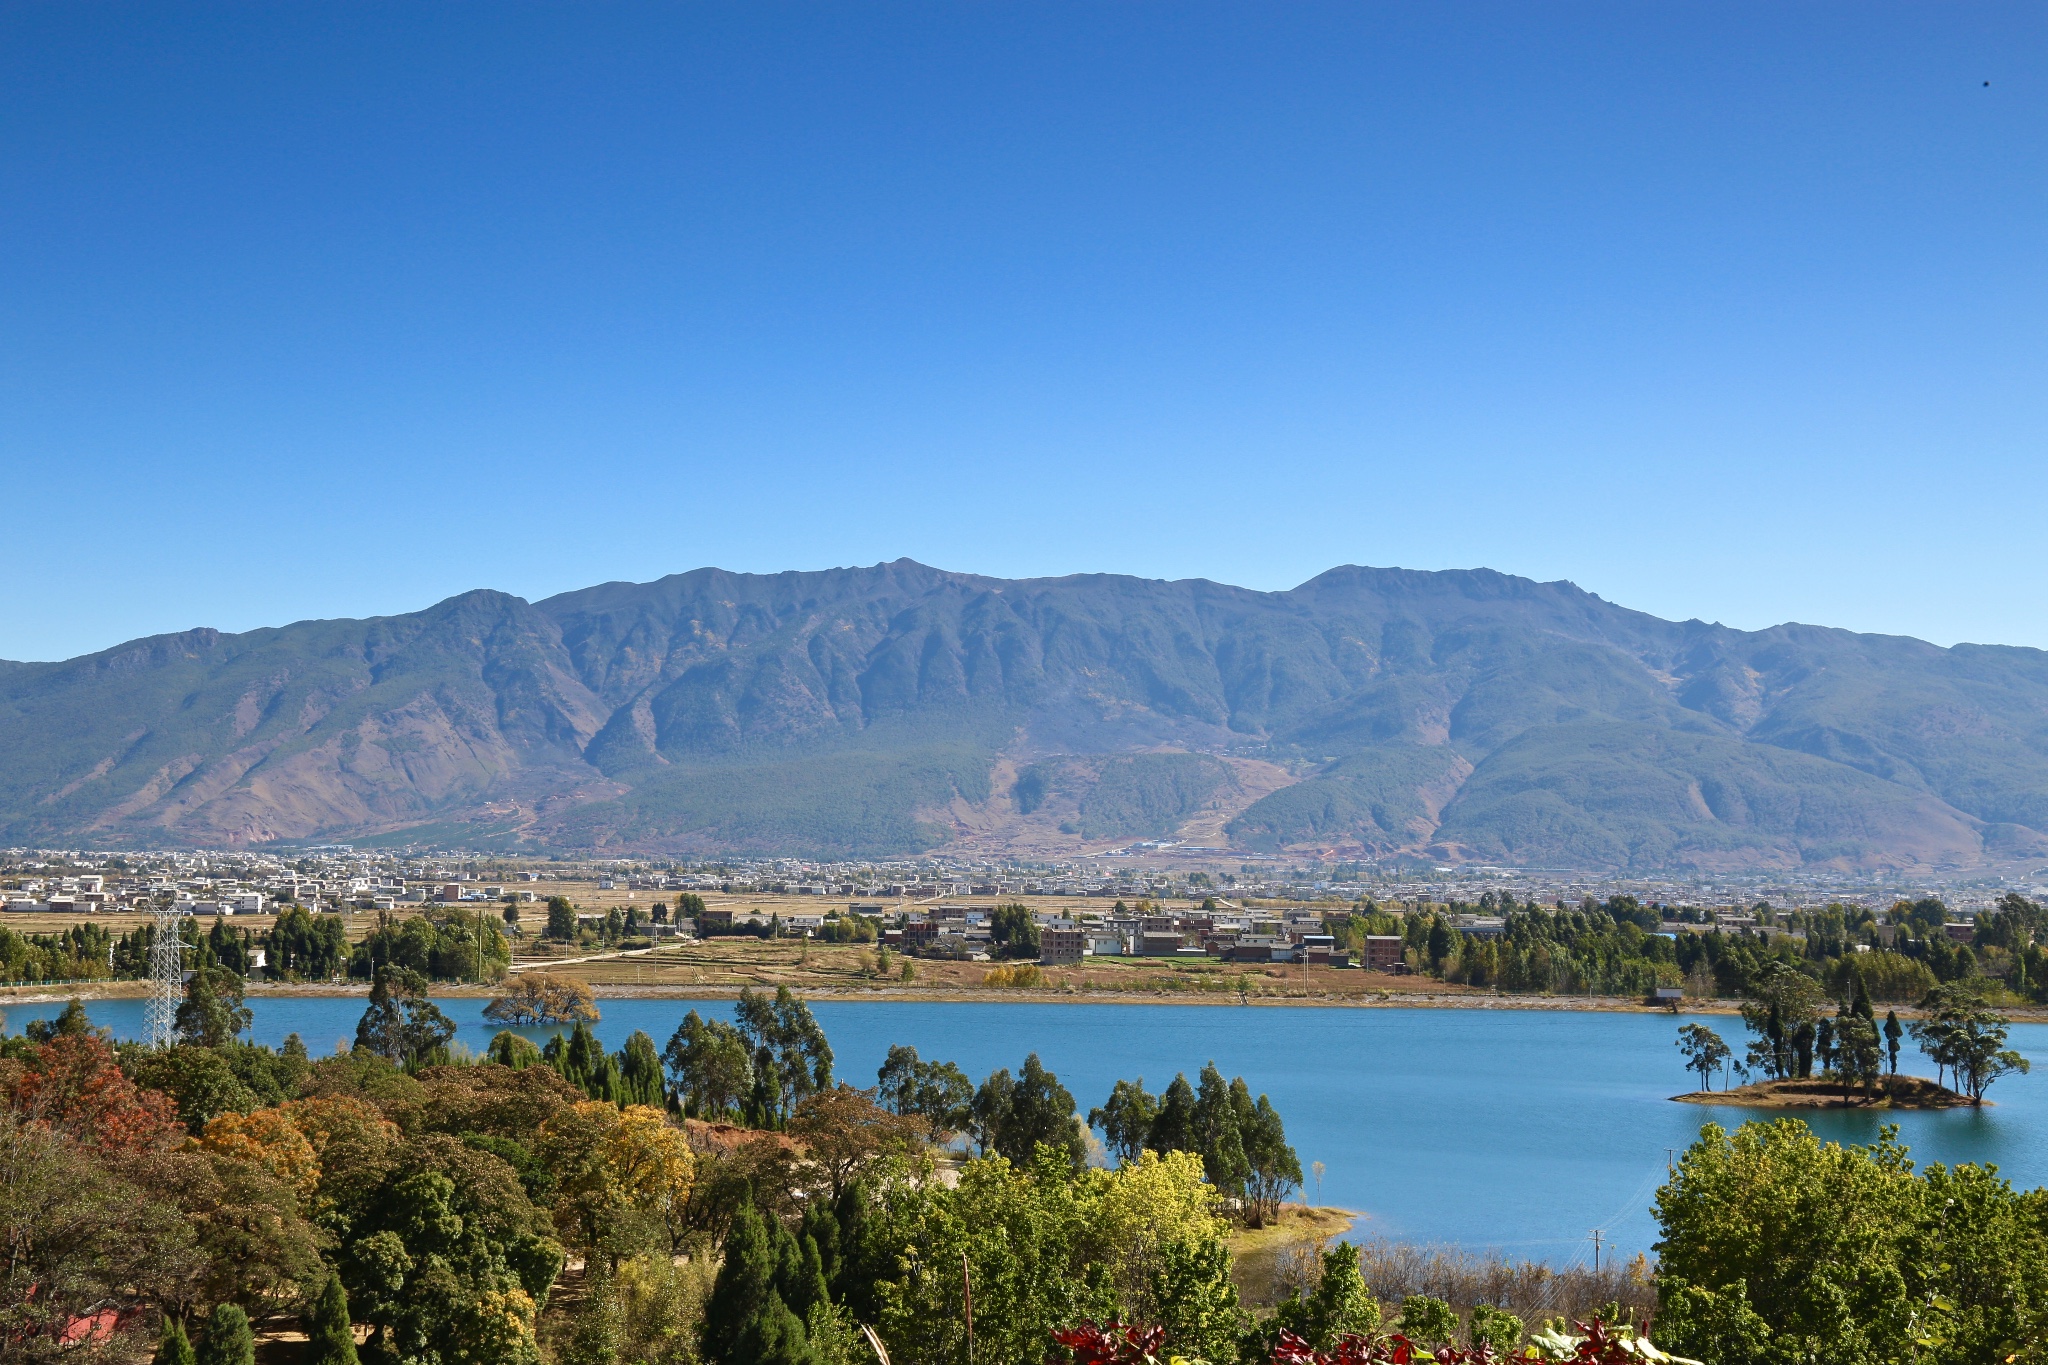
{"type": "Point", "coordinates": [1461, 717]}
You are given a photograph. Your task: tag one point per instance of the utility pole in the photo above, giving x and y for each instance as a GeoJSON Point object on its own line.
{"type": "Point", "coordinates": [166, 970]}
{"type": "Point", "coordinates": [1596, 1250]}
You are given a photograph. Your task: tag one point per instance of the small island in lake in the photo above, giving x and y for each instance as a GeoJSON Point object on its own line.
{"type": "Point", "coordinates": [1891, 1092]}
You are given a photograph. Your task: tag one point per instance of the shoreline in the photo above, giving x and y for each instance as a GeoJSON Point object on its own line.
{"type": "Point", "coordinates": [1449, 1000]}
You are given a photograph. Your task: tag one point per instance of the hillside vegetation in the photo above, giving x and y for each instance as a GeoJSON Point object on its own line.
{"type": "Point", "coordinates": [1463, 714]}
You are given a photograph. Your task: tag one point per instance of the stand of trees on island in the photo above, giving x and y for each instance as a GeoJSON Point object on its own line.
{"type": "Point", "coordinates": [730, 1200]}
{"type": "Point", "coordinates": [1794, 1037]}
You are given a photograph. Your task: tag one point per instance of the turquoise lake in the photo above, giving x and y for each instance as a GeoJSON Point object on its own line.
{"type": "Point", "coordinates": [1514, 1129]}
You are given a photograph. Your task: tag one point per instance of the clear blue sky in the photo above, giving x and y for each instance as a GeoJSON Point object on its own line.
{"type": "Point", "coordinates": [1723, 310]}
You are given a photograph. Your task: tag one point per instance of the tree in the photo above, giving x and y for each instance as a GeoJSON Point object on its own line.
{"type": "Point", "coordinates": [228, 1338]}
{"type": "Point", "coordinates": [561, 920]}
{"type": "Point", "coordinates": [1494, 1328]}
{"type": "Point", "coordinates": [212, 1013]}
{"type": "Point", "coordinates": [329, 1338]}
{"type": "Point", "coordinates": [1173, 1127]}
{"type": "Point", "coordinates": [938, 1092]}
{"type": "Point", "coordinates": [844, 1135]}
{"type": "Point", "coordinates": [1967, 1037]}
{"type": "Point", "coordinates": [1780, 1007]}
{"type": "Point", "coordinates": [70, 1022]}
{"type": "Point", "coordinates": [584, 1063]}
{"type": "Point", "coordinates": [1893, 1031]}
{"type": "Point", "coordinates": [1274, 1168]}
{"type": "Point", "coordinates": [1216, 1133]}
{"type": "Point", "coordinates": [1014, 932]}
{"type": "Point", "coordinates": [711, 1066]}
{"type": "Point", "coordinates": [1704, 1051]}
{"type": "Point", "coordinates": [173, 1346]}
{"type": "Point", "coordinates": [1339, 1305]}
{"type": "Point", "coordinates": [1859, 1058]}
{"type": "Point", "coordinates": [640, 1072]}
{"type": "Point", "coordinates": [74, 1086]}
{"type": "Point", "coordinates": [538, 998]}
{"type": "Point", "coordinates": [781, 1034]}
{"type": "Point", "coordinates": [401, 1025]}
{"type": "Point", "coordinates": [1016, 1117]}
{"type": "Point", "coordinates": [1427, 1321]}
{"type": "Point", "coordinates": [1126, 1119]}
{"type": "Point", "coordinates": [989, 1114]}
{"type": "Point", "coordinates": [748, 1319]}
{"type": "Point", "coordinates": [1809, 1235]}
{"type": "Point", "coordinates": [508, 1049]}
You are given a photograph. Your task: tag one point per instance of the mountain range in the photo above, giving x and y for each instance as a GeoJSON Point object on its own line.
{"type": "Point", "coordinates": [1465, 715]}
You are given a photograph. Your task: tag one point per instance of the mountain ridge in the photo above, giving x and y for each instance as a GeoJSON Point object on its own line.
{"type": "Point", "coordinates": [1366, 711]}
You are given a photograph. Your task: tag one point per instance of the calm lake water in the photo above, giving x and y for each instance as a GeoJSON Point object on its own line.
{"type": "Point", "coordinates": [1521, 1130]}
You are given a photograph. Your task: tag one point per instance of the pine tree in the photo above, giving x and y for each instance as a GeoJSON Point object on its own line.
{"type": "Point", "coordinates": [174, 1348]}
{"type": "Point", "coordinates": [228, 1338]}
{"type": "Point", "coordinates": [745, 1280]}
{"type": "Point", "coordinates": [1216, 1137]}
{"type": "Point", "coordinates": [640, 1080]}
{"type": "Point", "coordinates": [329, 1340]}
{"type": "Point", "coordinates": [748, 1318]}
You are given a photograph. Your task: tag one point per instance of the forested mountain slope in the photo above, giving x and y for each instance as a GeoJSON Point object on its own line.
{"type": "Point", "coordinates": [1467, 714]}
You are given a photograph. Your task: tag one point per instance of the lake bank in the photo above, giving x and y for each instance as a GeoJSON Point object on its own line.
{"type": "Point", "coordinates": [983, 995]}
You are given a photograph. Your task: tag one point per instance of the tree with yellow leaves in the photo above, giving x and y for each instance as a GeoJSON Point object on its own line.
{"type": "Point", "coordinates": [609, 1161]}
{"type": "Point", "coordinates": [267, 1138]}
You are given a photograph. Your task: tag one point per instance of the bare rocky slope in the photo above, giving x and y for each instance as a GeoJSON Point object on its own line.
{"type": "Point", "coordinates": [1464, 714]}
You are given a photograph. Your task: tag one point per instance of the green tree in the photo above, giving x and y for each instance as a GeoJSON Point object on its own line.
{"type": "Point", "coordinates": [509, 1049]}
{"type": "Point", "coordinates": [561, 919]}
{"type": "Point", "coordinates": [1967, 1037]}
{"type": "Point", "coordinates": [1216, 1135]}
{"type": "Point", "coordinates": [640, 1072]}
{"type": "Point", "coordinates": [748, 1317]}
{"type": "Point", "coordinates": [711, 1066]}
{"type": "Point", "coordinates": [1780, 1007]}
{"type": "Point", "coordinates": [1808, 1238]}
{"type": "Point", "coordinates": [1893, 1032]}
{"type": "Point", "coordinates": [1427, 1321]}
{"type": "Point", "coordinates": [1014, 932]}
{"type": "Point", "coordinates": [1274, 1169]}
{"type": "Point", "coordinates": [212, 1013]}
{"type": "Point", "coordinates": [1339, 1305]}
{"type": "Point", "coordinates": [1173, 1127]}
{"type": "Point", "coordinates": [1494, 1328]}
{"type": "Point", "coordinates": [173, 1346]}
{"type": "Point", "coordinates": [228, 1338]}
{"type": "Point", "coordinates": [1704, 1051]}
{"type": "Point", "coordinates": [936, 1091]}
{"type": "Point", "coordinates": [1015, 1117]}
{"type": "Point", "coordinates": [401, 1024]}
{"type": "Point", "coordinates": [329, 1338]}
{"type": "Point", "coordinates": [1859, 1057]}
{"type": "Point", "coordinates": [787, 1044]}
{"type": "Point", "coordinates": [1126, 1118]}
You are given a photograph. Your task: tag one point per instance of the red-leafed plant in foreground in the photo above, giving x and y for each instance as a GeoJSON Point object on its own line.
{"type": "Point", "coordinates": [1594, 1343]}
